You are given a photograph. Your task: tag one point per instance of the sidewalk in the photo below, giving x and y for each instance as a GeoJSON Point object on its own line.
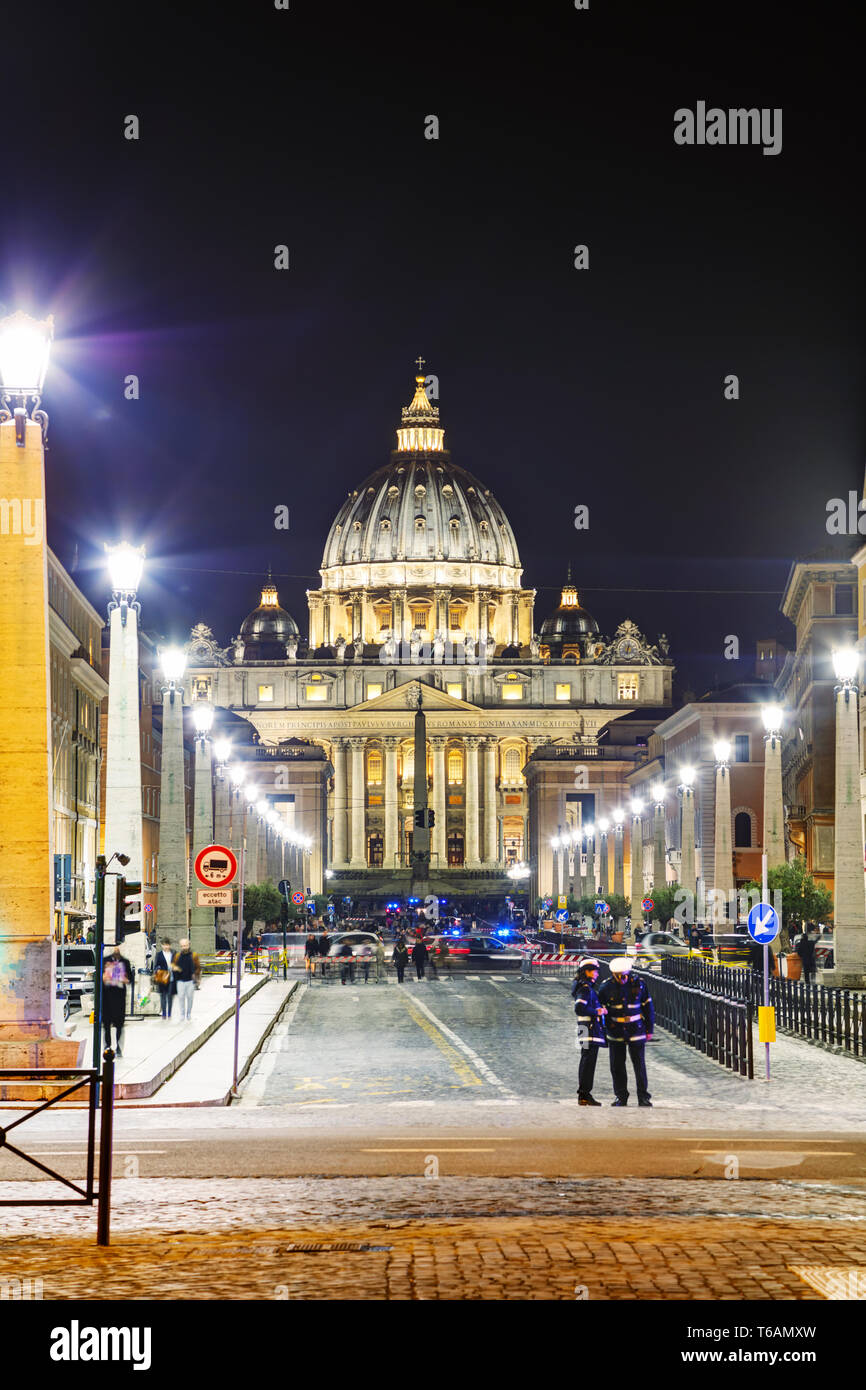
{"type": "Point", "coordinates": [158, 1052]}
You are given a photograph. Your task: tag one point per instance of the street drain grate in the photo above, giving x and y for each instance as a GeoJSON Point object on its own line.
{"type": "Point", "coordinates": [316, 1248]}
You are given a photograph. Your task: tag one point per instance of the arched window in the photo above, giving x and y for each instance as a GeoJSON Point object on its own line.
{"type": "Point", "coordinates": [743, 830]}
{"type": "Point", "coordinates": [455, 767]}
{"type": "Point", "coordinates": [374, 767]}
{"type": "Point", "coordinates": [512, 765]}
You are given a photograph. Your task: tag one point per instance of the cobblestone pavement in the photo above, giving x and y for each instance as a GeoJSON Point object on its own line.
{"type": "Point", "coordinates": [448, 1239]}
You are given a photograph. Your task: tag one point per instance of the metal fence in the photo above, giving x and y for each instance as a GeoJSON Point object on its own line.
{"type": "Point", "coordinates": [66, 1081]}
{"type": "Point", "coordinates": [719, 1027]}
{"type": "Point", "coordinates": [834, 1018]}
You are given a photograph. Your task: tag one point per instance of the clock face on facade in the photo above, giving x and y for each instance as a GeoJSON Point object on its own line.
{"type": "Point", "coordinates": [627, 649]}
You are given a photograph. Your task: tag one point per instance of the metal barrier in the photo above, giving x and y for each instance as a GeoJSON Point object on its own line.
{"type": "Point", "coordinates": [85, 1195]}
{"type": "Point", "coordinates": [719, 1027]}
{"type": "Point", "coordinates": [835, 1018]}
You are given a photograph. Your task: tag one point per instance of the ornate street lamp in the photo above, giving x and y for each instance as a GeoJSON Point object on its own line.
{"type": "Point", "coordinates": [723, 859]}
{"type": "Point", "coordinates": [688, 879]}
{"type": "Point", "coordinates": [203, 919]}
{"type": "Point", "coordinates": [636, 863]}
{"type": "Point", "coordinates": [660, 874]}
{"type": "Point", "coordinates": [849, 945]}
{"type": "Point", "coordinates": [172, 903]}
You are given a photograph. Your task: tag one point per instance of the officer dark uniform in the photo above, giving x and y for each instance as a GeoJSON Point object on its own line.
{"type": "Point", "coordinates": [590, 1022]}
{"type": "Point", "coordinates": [629, 1022]}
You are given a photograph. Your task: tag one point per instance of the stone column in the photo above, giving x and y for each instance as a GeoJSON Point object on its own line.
{"type": "Point", "coordinates": [392, 805]}
{"type": "Point", "coordinates": [172, 917]}
{"type": "Point", "coordinates": [359, 799]}
{"type": "Point", "coordinates": [723, 862]}
{"type": "Point", "coordinates": [491, 846]}
{"type": "Point", "coordinates": [604, 868]}
{"type": "Point", "coordinates": [636, 851]}
{"type": "Point", "coordinates": [222, 810]}
{"type": "Point", "coordinates": [848, 893]}
{"type": "Point", "coordinates": [440, 802]}
{"type": "Point", "coordinates": [123, 759]}
{"type": "Point", "coordinates": [774, 810]}
{"type": "Point", "coordinates": [340, 804]}
{"type": "Point", "coordinates": [659, 861]}
{"type": "Point", "coordinates": [202, 934]}
{"type": "Point", "coordinates": [472, 860]}
{"type": "Point", "coordinates": [591, 884]}
{"type": "Point", "coordinates": [687, 871]}
{"type": "Point", "coordinates": [27, 948]}
{"type": "Point", "coordinates": [618, 860]}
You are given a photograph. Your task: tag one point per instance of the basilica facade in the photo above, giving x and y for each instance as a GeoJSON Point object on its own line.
{"type": "Point", "coordinates": [422, 601]}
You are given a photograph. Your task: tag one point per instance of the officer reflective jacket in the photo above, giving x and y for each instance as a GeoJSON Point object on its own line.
{"type": "Point", "coordinates": [587, 1006]}
{"type": "Point", "coordinates": [630, 1012]}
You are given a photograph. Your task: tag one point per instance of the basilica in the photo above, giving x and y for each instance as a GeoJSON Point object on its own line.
{"type": "Point", "coordinates": [532, 727]}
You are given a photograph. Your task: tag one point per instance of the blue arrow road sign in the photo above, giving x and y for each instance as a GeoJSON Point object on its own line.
{"type": "Point", "coordinates": [562, 914]}
{"type": "Point", "coordinates": [763, 923]}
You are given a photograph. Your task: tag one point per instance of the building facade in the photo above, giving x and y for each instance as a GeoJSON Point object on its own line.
{"type": "Point", "coordinates": [422, 601]}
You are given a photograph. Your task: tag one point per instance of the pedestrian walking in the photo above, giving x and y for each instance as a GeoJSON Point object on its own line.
{"type": "Point", "coordinates": [366, 954]}
{"type": "Point", "coordinates": [311, 952]}
{"type": "Point", "coordinates": [163, 977]}
{"type": "Point", "coordinates": [443, 955]}
{"type": "Point", "coordinates": [420, 956]}
{"type": "Point", "coordinates": [116, 975]}
{"type": "Point", "coordinates": [379, 957]}
{"type": "Point", "coordinates": [590, 1014]}
{"type": "Point", "coordinates": [186, 968]}
{"type": "Point", "coordinates": [401, 957]}
{"type": "Point", "coordinates": [628, 1025]}
{"type": "Point", "coordinates": [347, 964]}
{"type": "Point", "coordinates": [804, 946]}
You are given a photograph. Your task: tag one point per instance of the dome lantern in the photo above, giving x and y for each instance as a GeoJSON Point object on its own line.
{"type": "Point", "coordinates": [421, 431]}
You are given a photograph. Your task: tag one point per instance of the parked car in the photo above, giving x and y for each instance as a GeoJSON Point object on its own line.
{"type": "Point", "coordinates": [358, 940]}
{"type": "Point", "coordinates": [272, 942]}
{"type": "Point", "coordinates": [731, 948]}
{"type": "Point", "coordinates": [79, 970]}
{"type": "Point", "coordinates": [653, 945]}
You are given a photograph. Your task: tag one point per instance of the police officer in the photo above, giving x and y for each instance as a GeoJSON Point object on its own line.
{"type": "Point", "coordinates": [629, 1023]}
{"type": "Point", "coordinates": [590, 1013]}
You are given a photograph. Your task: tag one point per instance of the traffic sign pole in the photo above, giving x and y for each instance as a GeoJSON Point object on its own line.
{"type": "Point", "coordinates": [240, 961]}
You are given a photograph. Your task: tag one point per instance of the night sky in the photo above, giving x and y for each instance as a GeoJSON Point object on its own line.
{"type": "Point", "coordinates": [557, 387]}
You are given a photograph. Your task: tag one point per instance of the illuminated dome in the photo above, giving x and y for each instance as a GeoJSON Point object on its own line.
{"type": "Point", "coordinates": [266, 630]}
{"type": "Point", "coordinates": [420, 516]}
{"type": "Point", "coordinates": [568, 623]}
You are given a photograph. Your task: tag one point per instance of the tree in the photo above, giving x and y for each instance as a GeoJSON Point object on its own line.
{"type": "Point", "coordinates": [803, 900]}
{"type": "Point", "coordinates": [665, 902]}
{"type": "Point", "coordinates": [261, 903]}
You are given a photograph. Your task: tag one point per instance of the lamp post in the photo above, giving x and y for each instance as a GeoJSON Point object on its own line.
{"type": "Point", "coordinates": [687, 868]}
{"type": "Point", "coordinates": [26, 801]}
{"type": "Point", "coordinates": [246, 795]}
{"type": "Point", "coordinates": [774, 810]}
{"type": "Point", "coordinates": [604, 868]}
{"type": "Point", "coordinates": [222, 751]}
{"type": "Point", "coordinates": [849, 916]}
{"type": "Point", "coordinates": [618, 853]}
{"type": "Point", "coordinates": [723, 862]}
{"type": "Point", "coordinates": [123, 826]}
{"type": "Point", "coordinates": [554, 845]}
{"type": "Point", "coordinates": [636, 865]}
{"type": "Point", "coordinates": [172, 905]}
{"type": "Point", "coordinates": [202, 927]}
{"type": "Point", "coordinates": [659, 861]}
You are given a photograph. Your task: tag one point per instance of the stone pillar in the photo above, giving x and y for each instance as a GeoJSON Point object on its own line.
{"type": "Point", "coordinates": [848, 894]}
{"type": "Point", "coordinates": [392, 805]}
{"type": "Point", "coordinates": [26, 814]}
{"type": "Point", "coordinates": [359, 799]}
{"type": "Point", "coordinates": [774, 810]}
{"type": "Point", "coordinates": [591, 884]}
{"type": "Point", "coordinates": [604, 868]}
{"type": "Point", "coordinates": [222, 810]}
{"type": "Point", "coordinates": [172, 920]}
{"type": "Point", "coordinates": [618, 860]}
{"type": "Point", "coordinates": [440, 802]}
{"type": "Point", "coordinates": [687, 871]}
{"type": "Point", "coordinates": [340, 804]}
{"type": "Point", "coordinates": [636, 851]}
{"type": "Point", "coordinates": [201, 919]}
{"type": "Point", "coordinates": [723, 862]}
{"type": "Point", "coordinates": [472, 859]}
{"type": "Point", "coordinates": [123, 759]}
{"type": "Point", "coordinates": [491, 846]}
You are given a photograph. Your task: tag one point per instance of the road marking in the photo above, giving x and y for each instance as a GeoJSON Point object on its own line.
{"type": "Point", "coordinates": [465, 1073]}
{"type": "Point", "coordinates": [472, 977]}
{"type": "Point", "coordinates": [253, 1087]}
{"type": "Point", "coordinates": [488, 1074]}
{"type": "Point", "coordinates": [82, 1153]}
{"type": "Point", "coordinates": [765, 1157]}
{"type": "Point", "coordinates": [411, 1102]}
{"type": "Point", "coordinates": [425, 1150]}
{"type": "Point", "coordinates": [502, 1101]}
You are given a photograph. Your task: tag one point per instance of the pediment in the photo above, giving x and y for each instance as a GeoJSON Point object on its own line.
{"type": "Point", "coordinates": [407, 695]}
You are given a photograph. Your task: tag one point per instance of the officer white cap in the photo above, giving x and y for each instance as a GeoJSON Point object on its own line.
{"type": "Point", "coordinates": [587, 963]}
{"type": "Point", "coordinates": [622, 965]}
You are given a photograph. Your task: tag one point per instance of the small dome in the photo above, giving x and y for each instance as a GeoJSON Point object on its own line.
{"type": "Point", "coordinates": [569, 622]}
{"type": "Point", "coordinates": [266, 630]}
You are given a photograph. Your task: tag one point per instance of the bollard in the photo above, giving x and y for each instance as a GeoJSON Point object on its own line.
{"type": "Point", "coordinates": [106, 1144]}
